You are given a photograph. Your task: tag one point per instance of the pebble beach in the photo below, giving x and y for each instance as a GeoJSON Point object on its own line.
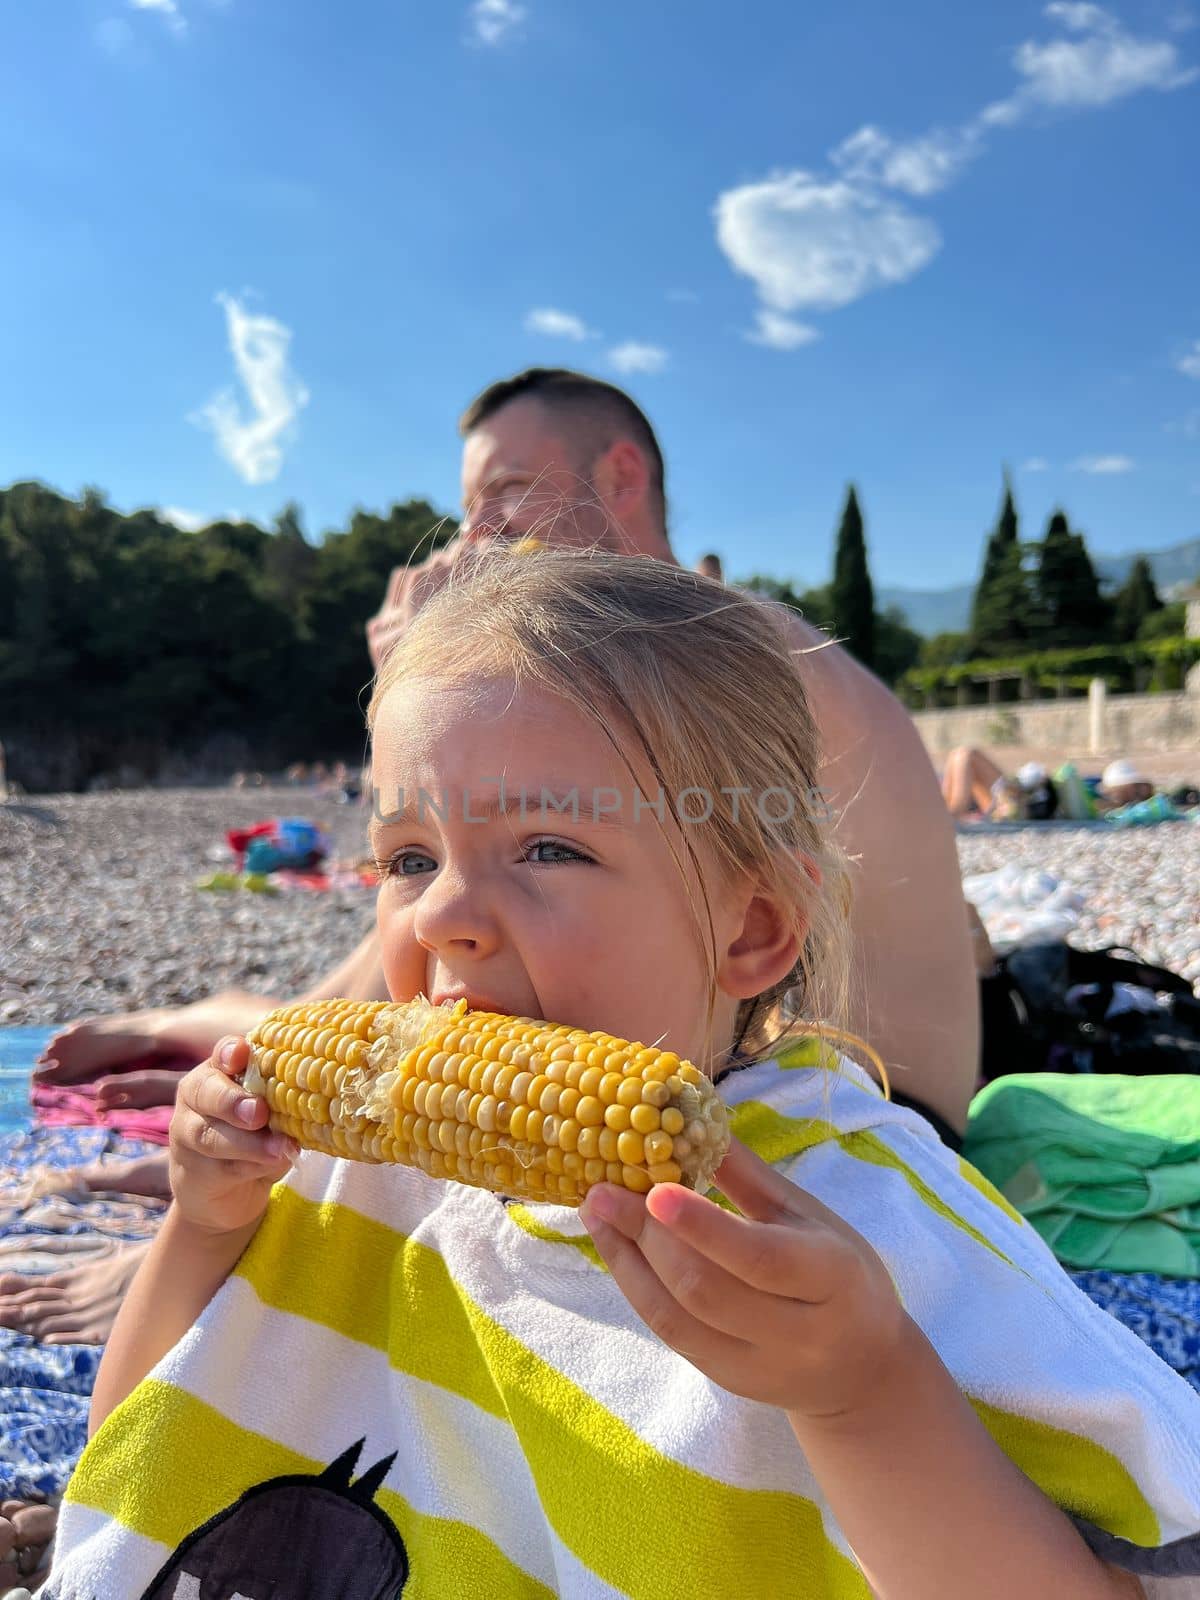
{"type": "Point", "coordinates": [100, 912]}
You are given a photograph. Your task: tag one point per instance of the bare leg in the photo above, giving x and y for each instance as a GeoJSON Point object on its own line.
{"type": "Point", "coordinates": [152, 1086]}
{"type": "Point", "coordinates": [92, 1046]}
{"type": "Point", "coordinates": [967, 781]}
{"type": "Point", "coordinates": [26, 1529]}
{"type": "Point", "coordinates": [78, 1306]}
{"type": "Point", "coordinates": [140, 1175]}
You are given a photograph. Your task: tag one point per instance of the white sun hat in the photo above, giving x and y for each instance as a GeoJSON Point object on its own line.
{"type": "Point", "coordinates": [1119, 773]}
{"type": "Point", "coordinates": [1031, 774]}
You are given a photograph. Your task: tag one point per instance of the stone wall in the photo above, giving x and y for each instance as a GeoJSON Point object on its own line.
{"type": "Point", "coordinates": [1102, 724]}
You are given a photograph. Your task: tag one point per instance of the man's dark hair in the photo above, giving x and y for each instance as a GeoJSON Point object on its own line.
{"type": "Point", "coordinates": [604, 414]}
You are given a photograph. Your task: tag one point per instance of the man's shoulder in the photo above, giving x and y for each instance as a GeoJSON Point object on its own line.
{"type": "Point", "coordinates": [837, 684]}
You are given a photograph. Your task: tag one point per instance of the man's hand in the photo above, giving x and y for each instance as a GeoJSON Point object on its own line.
{"type": "Point", "coordinates": [407, 591]}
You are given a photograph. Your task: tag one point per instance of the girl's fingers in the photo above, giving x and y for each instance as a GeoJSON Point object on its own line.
{"type": "Point", "coordinates": [726, 1269]}
{"type": "Point", "coordinates": [197, 1133]}
{"type": "Point", "coordinates": [707, 1348]}
{"type": "Point", "coordinates": [760, 1192]}
{"type": "Point", "coordinates": [210, 1091]}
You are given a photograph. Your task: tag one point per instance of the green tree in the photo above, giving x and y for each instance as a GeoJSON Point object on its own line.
{"type": "Point", "coordinates": [1001, 605]}
{"type": "Point", "coordinates": [1168, 622]}
{"type": "Point", "coordinates": [289, 562]}
{"type": "Point", "coordinates": [897, 646]}
{"type": "Point", "coordinates": [945, 650]}
{"type": "Point", "coordinates": [1070, 608]}
{"type": "Point", "coordinates": [851, 593]}
{"type": "Point", "coordinates": [814, 605]}
{"type": "Point", "coordinates": [1134, 601]}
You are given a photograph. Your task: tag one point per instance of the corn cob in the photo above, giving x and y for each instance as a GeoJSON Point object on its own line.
{"type": "Point", "coordinates": [511, 1104]}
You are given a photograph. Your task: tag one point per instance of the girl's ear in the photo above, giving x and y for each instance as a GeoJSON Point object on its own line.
{"type": "Point", "coordinates": [764, 948]}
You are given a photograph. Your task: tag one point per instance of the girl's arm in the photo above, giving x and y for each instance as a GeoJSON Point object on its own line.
{"type": "Point", "coordinates": [183, 1269]}
{"type": "Point", "coordinates": [223, 1162]}
{"type": "Point", "coordinates": [788, 1305]}
{"type": "Point", "coordinates": [932, 1507]}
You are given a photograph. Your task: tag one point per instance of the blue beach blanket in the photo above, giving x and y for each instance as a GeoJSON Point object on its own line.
{"type": "Point", "coordinates": [45, 1389]}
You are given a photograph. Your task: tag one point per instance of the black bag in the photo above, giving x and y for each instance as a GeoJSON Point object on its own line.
{"type": "Point", "coordinates": [1046, 1009]}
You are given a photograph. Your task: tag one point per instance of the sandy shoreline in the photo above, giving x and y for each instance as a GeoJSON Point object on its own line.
{"type": "Point", "coordinates": [100, 913]}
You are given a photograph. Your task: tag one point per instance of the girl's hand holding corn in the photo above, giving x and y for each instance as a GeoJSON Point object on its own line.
{"type": "Point", "coordinates": [785, 1304]}
{"type": "Point", "coordinates": [223, 1158]}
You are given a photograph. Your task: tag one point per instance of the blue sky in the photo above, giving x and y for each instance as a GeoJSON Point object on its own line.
{"type": "Point", "coordinates": [257, 251]}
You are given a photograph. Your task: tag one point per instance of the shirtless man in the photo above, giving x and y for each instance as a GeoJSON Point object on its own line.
{"type": "Point", "coordinates": [574, 461]}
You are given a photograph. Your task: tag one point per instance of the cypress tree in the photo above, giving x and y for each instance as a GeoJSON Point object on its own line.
{"type": "Point", "coordinates": [1134, 601]}
{"type": "Point", "coordinates": [1071, 610]}
{"type": "Point", "coordinates": [851, 593]}
{"type": "Point", "coordinates": [1000, 609]}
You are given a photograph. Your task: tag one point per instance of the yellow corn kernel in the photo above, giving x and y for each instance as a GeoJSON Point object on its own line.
{"type": "Point", "coordinates": [511, 1104]}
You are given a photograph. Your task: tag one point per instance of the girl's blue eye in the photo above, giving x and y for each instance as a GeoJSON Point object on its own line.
{"type": "Point", "coordinates": [410, 864]}
{"type": "Point", "coordinates": [558, 852]}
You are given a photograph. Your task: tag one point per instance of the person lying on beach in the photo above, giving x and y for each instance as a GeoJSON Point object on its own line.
{"type": "Point", "coordinates": [576, 462]}
{"type": "Point", "coordinates": [974, 787]}
{"type": "Point", "coordinates": [870, 1377]}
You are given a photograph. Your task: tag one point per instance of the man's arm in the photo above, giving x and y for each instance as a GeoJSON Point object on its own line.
{"type": "Point", "coordinates": [914, 992]}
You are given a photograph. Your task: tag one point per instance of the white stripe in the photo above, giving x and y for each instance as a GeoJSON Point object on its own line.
{"type": "Point", "coordinates": [1084, 1372]}
{"type": "Point", "coordinates": [453, 1459]}
{"type": "Point", "coordinates": [96, 1558]}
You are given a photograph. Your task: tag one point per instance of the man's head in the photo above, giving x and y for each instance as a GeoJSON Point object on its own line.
{"type": "Point", "coordinates": [567, 457]}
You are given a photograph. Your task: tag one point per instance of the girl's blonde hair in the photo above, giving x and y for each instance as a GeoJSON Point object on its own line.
{"type": "Point", "coordinates": [700, 678]}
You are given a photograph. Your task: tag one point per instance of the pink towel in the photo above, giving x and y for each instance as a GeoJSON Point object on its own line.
{"type": "Point", "coordinates": [59, 1105]}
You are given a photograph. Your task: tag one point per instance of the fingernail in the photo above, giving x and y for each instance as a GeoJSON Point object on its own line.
{"type": "Point", "coordinates": [280, 1145]}
{"type": "Point", "coordinates": [247, 1110]}
{"type": "Point", "coordinates": [225, 1052]}
{"type": "Point", "coordinates": [600, 1205]}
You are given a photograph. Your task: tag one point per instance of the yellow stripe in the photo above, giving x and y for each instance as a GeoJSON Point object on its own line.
{"type": "Point", "coordinates": [131, 1471]}
{"type": "Point", "coordinates": [989, 1191]}
{"type": "Point", "coordinates": [528, 1223]}
{"type": "Point", "coordinates": [777, 1138]}
{"type": "Point", "coordinates": [1076, 1473]}
{"type": "Point", "coordinates": [595, 1477]}
{"type": "Point", "coordinates": [808, 1051]}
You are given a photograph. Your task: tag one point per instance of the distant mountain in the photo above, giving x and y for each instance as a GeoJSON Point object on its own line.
{"type": "Point", "coordinates": [932, 611]}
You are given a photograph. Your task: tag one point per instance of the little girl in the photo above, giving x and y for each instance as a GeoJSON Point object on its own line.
{"type": "Point", "coordinates": [861, 1374]}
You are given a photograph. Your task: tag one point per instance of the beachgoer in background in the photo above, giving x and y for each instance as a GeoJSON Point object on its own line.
{"type": "Point", "coordinates": [710, 567]}
{"type": "Point", "coordinates": [1122, 784]}
{"type": "Point", "coordinates": [764, 1371]}
{"type": "Point", "coordinates": [575, 462]}
{"type": "Point", "coordinates": [973, 786]}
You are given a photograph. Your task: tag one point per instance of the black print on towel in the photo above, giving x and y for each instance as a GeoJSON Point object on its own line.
{"type": "Point", "coordinates": [300, 1537]}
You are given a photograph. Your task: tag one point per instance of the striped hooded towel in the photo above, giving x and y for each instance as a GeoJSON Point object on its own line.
{"type": "Point", "coordinates": [411, 1390]}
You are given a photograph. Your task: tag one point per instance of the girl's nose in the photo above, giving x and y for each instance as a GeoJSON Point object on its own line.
{"type": "Point", "coordinates": [452, 916]}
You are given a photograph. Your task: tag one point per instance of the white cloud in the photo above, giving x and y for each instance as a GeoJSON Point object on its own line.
{"type": "Point", "coordinates": [1077, 15]}
{"type": "Point", "coordinates": [778, 332]}
{"type": "Point", "coordinates": [167, 9]}
{"type": "Point", "coordinates": [818, 246]}
{"type": "Point", "coordinates": [253, 445]}
{"type": "Point", "coordinates": [819, 242]}
{"type": "Point", "coordinates": [494, 20]}
{"type": "Point", "coordinates": [1104, 63]}
{"type": "Point", "coordinates": [1104, 465]}
{"type": "Point", "coordinates": [917, 167]}
{"type": "Point", "coordinates": [188, 521]}
{"type": "Point", "coordinates": [1035, 464]}
{"type": "Point", "coordinates": [557, 324]}
{"type": "Point", "coordinates": [1189, 362]}
{"type": "Point", "coordinates": [634, 357]}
